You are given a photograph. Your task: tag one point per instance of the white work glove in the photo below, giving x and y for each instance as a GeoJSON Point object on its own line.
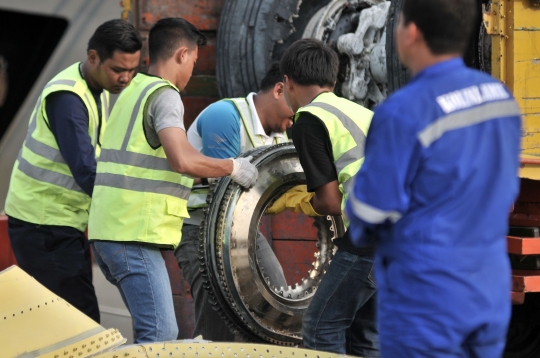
{"type": "Point", "coordinates": [244, 173]}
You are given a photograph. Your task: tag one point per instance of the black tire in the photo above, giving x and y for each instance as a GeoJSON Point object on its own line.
{"type": "Point", "coordinates": [397, 74]}
{"type": "Point", "coordinates": [254, 33]}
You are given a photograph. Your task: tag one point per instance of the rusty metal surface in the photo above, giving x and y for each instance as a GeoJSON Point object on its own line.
{"type": "Point", "coordinates": [182, 299]}
{"type": "Point", "coordinates": [204, 14]}
{"type": "Point", "coordinates": [202, 89]}
{"type": "Point", "coordinates": [518, 298]}
{"type": "Point", "coordinates": [7, 258]}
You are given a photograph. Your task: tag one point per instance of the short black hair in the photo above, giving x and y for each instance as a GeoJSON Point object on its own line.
{"type": "Point", "coordinates": [310, 62]}
{"type": "Point", "coordinates": [168, 34]}
{"type": "Point", "coordinates": [445, 24]}
{"type": "Point", "coordinates": [114, 35]}
{"type": "Point", "coordinates": [273, 76]}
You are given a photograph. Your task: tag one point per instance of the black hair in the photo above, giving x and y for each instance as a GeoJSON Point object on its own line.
{"type": "Point", "coordinates": [114, 35]}
{"type": "Point", "coordinates": [272, 76]}
{"type": "Point", "coordinates": [445, 24]}
{"type": "Point", "coordinates": [310, 62]}
{"type": "Point", "coordinates": [168, 34]}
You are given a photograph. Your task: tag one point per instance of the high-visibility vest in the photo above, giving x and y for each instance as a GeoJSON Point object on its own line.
{"type": "Point", "coordinates": [197, 199]}
{"type": "Point", "coordinates": [42, 189]}
{"type": "Point", "coordinates": [137, 196]}
{"type": "Point", "coordinates": [347, 123]}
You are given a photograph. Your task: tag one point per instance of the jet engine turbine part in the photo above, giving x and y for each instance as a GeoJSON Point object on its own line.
{"type": "Point", "coordinates": [239, 285]}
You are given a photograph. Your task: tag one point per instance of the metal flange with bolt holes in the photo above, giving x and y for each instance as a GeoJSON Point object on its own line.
{"type": "Point", "coordinates": [239, 285]}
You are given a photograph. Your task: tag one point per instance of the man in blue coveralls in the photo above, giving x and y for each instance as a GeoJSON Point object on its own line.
{"type": "Point", "coordinates": [434, 192]}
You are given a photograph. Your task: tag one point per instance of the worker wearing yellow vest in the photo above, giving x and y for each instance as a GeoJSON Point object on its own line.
{"type": "Point", "coordinates": [226, 129]}
{"type": "Point", "coordinates": [144, 177]}
{"type": "Point", "coordinates": [329, 134]}
{"type": "Point", "coordinates": [53, 178]}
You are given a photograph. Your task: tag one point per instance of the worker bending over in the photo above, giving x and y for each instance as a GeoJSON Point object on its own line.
{"type": "Point", "coordinates": [144, 179]}
{"type": "Point", "coordinates": [53, 178]}
{"type": "Point", "coordinates": [329, 134]}
{"type": "Point", "coordinates": [225, 129]}
{"type": "Point", "coordinates": [439, 179]}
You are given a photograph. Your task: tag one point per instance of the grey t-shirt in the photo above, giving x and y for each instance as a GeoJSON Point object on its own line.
{"type": "Point", "coordinates": [164, 109]}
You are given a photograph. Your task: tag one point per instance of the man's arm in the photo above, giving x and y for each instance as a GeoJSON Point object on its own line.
{"type": "Point", "coordinates": [327, 199]}
{"type": "Point", "coordinates": [185, 159]}
{"type": "Point", "coordinates": [166, 112]}
{"type": "Point", "coordinates": [68, 120]}
{"type": "Point", "coordinates": [314, 151]}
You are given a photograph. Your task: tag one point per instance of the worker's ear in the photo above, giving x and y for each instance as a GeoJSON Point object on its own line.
{"type": "Point", "coordinates": [93, 58]}
{"type": "Point", "coordinates": [181, 55]}
{"type": "Point", "coordinates": [278, 90]}
{"type": "Point", "coordinates": [409, 35]}
{"type": "Point", "coordinates": [288, 83]}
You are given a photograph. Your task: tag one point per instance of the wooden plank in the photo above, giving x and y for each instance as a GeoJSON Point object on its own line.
{"type": "Point", "coordinates": [193, 106]}
{"type": "Point", "coordinates": [526, 280]}
{"type": "Point", "coordinates": [293, 226]}
{"type": "Point", "coordinates": [518, 298]}
{"type": "Point", "coordinates": [296, 258]}
{"type": "Point", "coordinates": [203, 14]}
{"type": "Point", "coordinates": [7, 258]}
{"type": "Point", "coordinates": [201, 86]}
{"type": "Point", "coordinates": [184, 310]}
{"type": "Point", "coordinates": [179, 285]}
{"type": "Point", "coordinates": [523, 246]}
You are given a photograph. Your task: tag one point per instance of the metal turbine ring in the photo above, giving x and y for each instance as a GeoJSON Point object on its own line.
{"type": "Point", "coordinates": [238, 283]}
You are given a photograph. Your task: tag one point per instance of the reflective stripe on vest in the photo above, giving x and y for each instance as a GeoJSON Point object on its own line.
{"type": "Point", "coordinates": [140, 160]}
{"type": "Point", "coordinates": [133, 180]}
{"type": "Point", "coordinates": [42, 188]}
{"type": "Point", "coordinates": [347, 124]}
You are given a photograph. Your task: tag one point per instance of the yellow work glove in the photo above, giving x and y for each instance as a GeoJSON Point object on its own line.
{"type": "Point", "coordinates": [296, 199]}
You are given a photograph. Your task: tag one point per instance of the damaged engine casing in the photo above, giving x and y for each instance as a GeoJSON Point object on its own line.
{"type": "Point", "coordinates": [240, 287]}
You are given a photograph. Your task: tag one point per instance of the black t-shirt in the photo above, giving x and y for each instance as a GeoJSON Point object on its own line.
{"type": "Point", "coordinates": [312, 142]}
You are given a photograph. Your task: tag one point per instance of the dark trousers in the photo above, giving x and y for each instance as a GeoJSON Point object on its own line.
{"type": "Point", "coordinates": [58, 257]}
{"type": "Point", "coordinates": [208, 323]}
{"type": "Point", "coordinates": [342, 315]}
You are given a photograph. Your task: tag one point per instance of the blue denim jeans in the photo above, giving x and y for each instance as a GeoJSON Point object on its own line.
{"type": "Point", "coordinates": [140, 274]}
{"type": "Point", "coordinates": [341, 317]}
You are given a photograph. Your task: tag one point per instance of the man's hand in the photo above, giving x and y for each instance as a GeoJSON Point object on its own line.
{"type": "Point", "coordinates": [296, 199]}
{"type": "Point", "coordinates": [244, 173]}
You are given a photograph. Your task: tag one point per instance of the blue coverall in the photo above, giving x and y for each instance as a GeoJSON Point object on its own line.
{"type": "Point", "coordinates": [439, 179]}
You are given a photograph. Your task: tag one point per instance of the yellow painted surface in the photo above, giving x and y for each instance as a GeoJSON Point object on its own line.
{"type": "Point", "coordinates": [526, 87]}
{"type": "Point", "coordinates": [179, 349]}
{"type": "Point", "coordinates": [516, 62]}
{"type": "Point", "coordinates": [34, 321]}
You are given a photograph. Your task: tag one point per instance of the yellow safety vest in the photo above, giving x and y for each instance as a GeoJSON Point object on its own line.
{"type": "Point", "coordinates": [137, 196]}
{"type": "Point", "coordinates": [347, 123]}
{"type": "Point", "coordinates": [197, 199]}
{"type": "Point", "coordinates": [42, 189]}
